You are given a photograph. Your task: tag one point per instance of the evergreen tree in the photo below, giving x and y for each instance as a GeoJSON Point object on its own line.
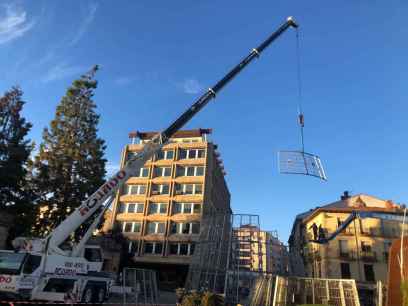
{"type": "Point", "coordinates": [70, 165]}
{"type": "Point", "coordinates": [15, 149]}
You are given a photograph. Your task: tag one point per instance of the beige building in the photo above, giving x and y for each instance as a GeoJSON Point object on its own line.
{"type": "Point", "coordinates": [259, 251]}
{"type": "Point", "coordinates": [161, 210]}
{"type": "Point", "coordinates": [360, 252]}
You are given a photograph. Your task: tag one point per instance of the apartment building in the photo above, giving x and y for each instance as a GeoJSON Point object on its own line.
{"type": "Point", "coordinates": [259, 251]}
{"type": "Point", "coordinates": [162, 210]}
{"type": "Point", "coordinates": [360, 252]}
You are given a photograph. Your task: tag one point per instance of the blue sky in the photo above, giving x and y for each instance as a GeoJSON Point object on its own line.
{"type": "Point", "coordinates": [157, 57]}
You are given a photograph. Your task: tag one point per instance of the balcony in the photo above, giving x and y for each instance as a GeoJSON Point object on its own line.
{"type": "Point", "coordinates": [313, 255]}
{"type": "Point", "coordinates": [348, 231]}
{"type": "Point", "coordinates": [347, 255]}
{"type": "Point", "coordinates": [368, 256]}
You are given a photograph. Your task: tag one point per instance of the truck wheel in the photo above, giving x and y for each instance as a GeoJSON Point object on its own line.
{"type": "Point", "coordinates": [100, 295]}
{"type": "Point", "coordinates": [87, 295]}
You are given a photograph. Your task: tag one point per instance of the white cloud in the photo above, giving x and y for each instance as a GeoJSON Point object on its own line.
{"type": "Point", "coordinates": [89, 17]}
{"type": "Point", "coordinates": [192, 86]}
{"type": "Point", "coordinates": [60, 71]}
{"type": "Point", "coordinates": [13, 23]}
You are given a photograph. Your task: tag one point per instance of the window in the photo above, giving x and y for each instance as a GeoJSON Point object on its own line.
{"type": "Point", "coordinates": [122, 207]}
{"type": "Point", "coordinates": [131, 208]}
{"type": "Point", "coordinates": [162, 171]}
{"type": "Point", "coordinates": [343, 245]}
{"type": "Point", "coordinates": [153, 248]}
{"type": "Point", "coordinates": [135, 189]}
{"type": "Point", "coordinates": [156, 227]}
{"type": "Point", "coordinates": [144, 172]}
{"type": "Point", "coordinates": [365, 247]}
{"type": "Point", "coordinates": [167, 154]}
{"type": "Point", "coordinates": [127, 227]}
{"type": "Point", "coordinates": [157, 208]}
{"type": "Point", "coordinates": [132, 227]}
{"type": "Point", "coordinates": [31, 264]}
{"type": "Point", "coordinates": [199, 171]}
{"type": "Point", "coordinates": [137, 227]}
{"type": "Point", "coordinates": [131, 154]}
{"type": "Point", "coordinates": [189, 189]}
{"type": "Point", "coordinates": [345, 270]}
{"type": "Point", "coordinates": [173, 249]}
{"type": "Point", "coordinates": [186, 208]}
{"type": "Point", "coordinates": [369, 273]}
{"type": "Point", "coordinates": [132, 247]}
{"type": "Point", "coordinates": [185, 228]}
{"type": "Point", "coordinates": [160, 189]}
{"type": "Point", "coordinates": [197, 208]}
{"type": "Point", "coordinates": [181, 249]}
{"type": "Point", "coordinates": [191, 153]}
{"type": "Point", "coordinates": [190, 170]}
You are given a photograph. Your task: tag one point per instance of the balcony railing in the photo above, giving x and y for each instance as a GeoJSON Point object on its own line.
{"type": "Point", "coordinates": [368, 256]}
{"type": "Point", "coordinates": [348, 231]}
{"type": "Point", "coordinates": [347, 255]}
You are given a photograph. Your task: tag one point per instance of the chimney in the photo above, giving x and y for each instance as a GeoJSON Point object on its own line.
{"type": "Point", "coordinates": [345, 195]}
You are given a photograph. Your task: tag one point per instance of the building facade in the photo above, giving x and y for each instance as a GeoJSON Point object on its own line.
{"type": "Point", "coordinates": [360, 252]}
{"type": "Point", "coordinates": [259, 251]}
{"type": "Point", "coordinates": [161, 211]}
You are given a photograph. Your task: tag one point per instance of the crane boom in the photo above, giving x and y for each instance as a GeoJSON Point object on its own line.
{"type": "Point", "coordinates": [109, 188]}
{"type": "Point", "coordinates": [359, 215]}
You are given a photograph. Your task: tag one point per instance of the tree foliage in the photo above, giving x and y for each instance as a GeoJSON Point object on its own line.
{"type": "Point", "coordinates": [70, 164]}
{"type": "Point", "coordinates": [15, 149]}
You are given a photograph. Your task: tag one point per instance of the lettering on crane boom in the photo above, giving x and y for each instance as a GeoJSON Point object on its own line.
{"type": "Point", "coordinates": [70, 268]}
{"type": "Point", "coordinates": [102, 192]}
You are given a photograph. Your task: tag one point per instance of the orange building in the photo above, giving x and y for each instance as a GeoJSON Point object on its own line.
{"type": "Point", "coordinates": [161, 211]}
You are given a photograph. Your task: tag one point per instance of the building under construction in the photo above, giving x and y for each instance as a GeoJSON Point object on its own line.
{"type": "Point", "coordinates": [164, 209]}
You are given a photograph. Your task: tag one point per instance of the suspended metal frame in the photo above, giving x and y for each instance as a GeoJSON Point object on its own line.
{"type": "Point", "coordinates": [300, 162]}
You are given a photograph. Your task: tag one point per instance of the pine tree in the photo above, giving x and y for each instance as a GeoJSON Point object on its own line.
{"type": "Point", "coordinates": [70, 165]}
{"type": "Point", "coordinates": [15, 149]}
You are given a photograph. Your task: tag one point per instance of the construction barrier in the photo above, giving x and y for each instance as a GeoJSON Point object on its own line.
{"type": "Point", "coordinates": [291, 291]}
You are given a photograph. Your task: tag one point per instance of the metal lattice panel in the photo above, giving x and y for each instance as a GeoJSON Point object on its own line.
{"type": "Point", "coordinates": [298, 162]}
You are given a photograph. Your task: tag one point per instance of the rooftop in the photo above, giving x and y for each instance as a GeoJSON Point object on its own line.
{"type": "Point", "coordinates": [178, 134]}
{"type": "Point", "coordinates": [351, 203]}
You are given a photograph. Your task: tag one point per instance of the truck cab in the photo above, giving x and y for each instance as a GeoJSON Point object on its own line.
{"type": "Point", "coordinates": [28, 275]}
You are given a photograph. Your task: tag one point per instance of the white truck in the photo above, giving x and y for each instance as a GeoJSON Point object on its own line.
{"type": "Point", "coordinates": [45, 269]}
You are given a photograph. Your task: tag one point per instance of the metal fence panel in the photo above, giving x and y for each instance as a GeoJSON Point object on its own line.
{"type": "Point", "coordinates": [142, 284]}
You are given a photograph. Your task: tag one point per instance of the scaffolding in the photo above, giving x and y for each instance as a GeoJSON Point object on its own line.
{"type": "Point", "coordinates": [209, 262]}
{"type": "Point", "coordinates": [246, 260]}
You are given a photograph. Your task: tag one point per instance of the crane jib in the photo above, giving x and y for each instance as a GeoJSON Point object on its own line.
{"type": "Point", "coordinates": [133, 165]}
{"type": "Point", "coordinates": [102, 192]}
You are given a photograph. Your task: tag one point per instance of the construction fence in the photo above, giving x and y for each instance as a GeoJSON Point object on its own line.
{"type": "Point", "coordinates": [290, 291]}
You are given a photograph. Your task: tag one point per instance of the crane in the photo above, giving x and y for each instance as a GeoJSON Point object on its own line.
{"type": "Point", "coordinates": [54, 270]}
{"type": "Point", "coordinates": [359, 215]}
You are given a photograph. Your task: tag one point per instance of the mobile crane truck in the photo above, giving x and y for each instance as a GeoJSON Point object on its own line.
{"type": "Point", "coordinates": [42, 269]}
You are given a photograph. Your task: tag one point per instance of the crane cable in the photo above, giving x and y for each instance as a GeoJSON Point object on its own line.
{"type": "Point", "coordinates": [301, 117]}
